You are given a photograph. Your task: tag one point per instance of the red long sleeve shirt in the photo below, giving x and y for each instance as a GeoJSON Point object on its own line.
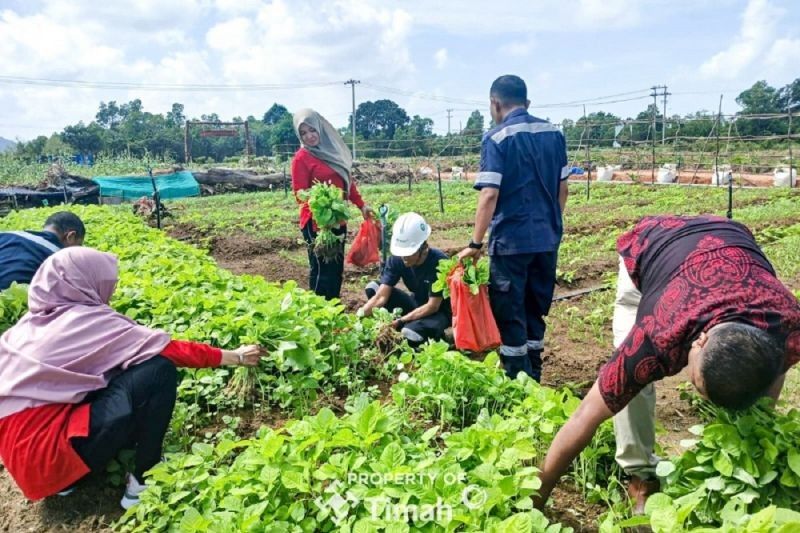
{"type": "Point", "coordinates": [308, 170]}
{"type": "Point", "coordinates": [35, 443]}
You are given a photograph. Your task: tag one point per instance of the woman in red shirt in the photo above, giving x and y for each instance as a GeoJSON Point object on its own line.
{"type": "Point", "coordinates": [322, 158]}
{"type": "Point", "coordinates": [79, 381]}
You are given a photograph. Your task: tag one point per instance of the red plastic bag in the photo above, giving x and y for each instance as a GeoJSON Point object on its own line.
{"type": "Point", "coordinates": [367, 244]}
{"type": "Point", "coordinates": [474, 327]}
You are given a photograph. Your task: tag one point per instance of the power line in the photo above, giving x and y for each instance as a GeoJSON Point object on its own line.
{"type": "Point", "coordinates": [599, 100]}
{"type": "Point", "coordinates": [204, 87]}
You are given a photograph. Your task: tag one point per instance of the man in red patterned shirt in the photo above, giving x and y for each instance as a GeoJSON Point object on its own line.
{"type": "Point", "coordinates": [695, 293]}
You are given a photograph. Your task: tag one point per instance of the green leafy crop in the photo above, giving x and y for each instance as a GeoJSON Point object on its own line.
{"type": "Point", "coordinates": [476, 273]}
{"type": "Point", "coordinates": [329, 210]}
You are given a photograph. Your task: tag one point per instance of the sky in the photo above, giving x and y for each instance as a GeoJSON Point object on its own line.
{"type": "Point", "coordinates": [427, 56]}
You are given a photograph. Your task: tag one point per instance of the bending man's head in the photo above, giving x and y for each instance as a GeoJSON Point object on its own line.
{"type": "Point", "coordinates": [67, 226]}
{"type": "Point", "coordinates": [734, 364]}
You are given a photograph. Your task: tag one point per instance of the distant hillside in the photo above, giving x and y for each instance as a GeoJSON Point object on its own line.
{"type": "Point", "coordinates": [5, 144]}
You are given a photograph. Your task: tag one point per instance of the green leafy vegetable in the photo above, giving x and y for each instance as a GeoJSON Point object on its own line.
{"type": "Point", "coordinates": [475, 274]}
{"type": "Point", "coordinates": [329, 211]}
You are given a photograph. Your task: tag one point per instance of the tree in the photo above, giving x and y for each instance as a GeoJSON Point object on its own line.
{"type": "Point", "coordinates": [282, 137]}
{"type": "Point", "coordinates": [32, 149]}
{"type": "Point", "coordinates": [414, 136]}
{"type": "Point", "coordinates": [379, 119]}
{"type": "Point", "coordinates": [274, 114]}
{"type": "Point", "coordinates": [175, 117]}
{"type": "Point", "coordinates": [55, 145]}
{"type": "Point", "coordinates": [109, 115]}
{"type": "Point", "coordinates": [789, 95]}
{"type": "Point", "coordinates": [420, 127]}
{"type": "Point", "coordinates": [84, 139]}
{"type": "Point", "coordinates": [643, 129]}
{"type": "Point", "coordinates": [761, 99]}
{"type": "Point", "coordinates": [474, 124]}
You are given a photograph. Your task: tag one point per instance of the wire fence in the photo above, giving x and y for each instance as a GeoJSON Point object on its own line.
{"type": "Point", "coordinates": [703, 143]}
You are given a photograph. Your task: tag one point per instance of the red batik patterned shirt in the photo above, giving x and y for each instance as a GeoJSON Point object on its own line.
{"type": "Point", "coordinates": [693, 273]}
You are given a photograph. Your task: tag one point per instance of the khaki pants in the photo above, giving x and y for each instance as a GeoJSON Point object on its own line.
{"type": "Point", "coordinates": [634, 426]}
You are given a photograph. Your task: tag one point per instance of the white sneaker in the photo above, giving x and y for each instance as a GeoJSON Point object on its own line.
{"type": "Point", "coordinates": [67, 491]}
{"type": "Point", "coordinates": [132, 491]}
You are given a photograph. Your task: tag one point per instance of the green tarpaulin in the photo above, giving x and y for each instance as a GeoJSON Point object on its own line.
{"type": "Point", "coordinates": [177, 185]}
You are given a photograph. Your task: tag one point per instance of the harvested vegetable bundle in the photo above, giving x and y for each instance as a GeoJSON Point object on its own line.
{"type": "Point", "coordinates": [475, 275]}
{"type": "Point", "coordinates": [329, 210]}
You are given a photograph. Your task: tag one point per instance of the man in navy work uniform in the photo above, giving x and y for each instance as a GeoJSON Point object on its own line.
{"type": "Point", "coordinates": [523, 191]}
{"type": "Point", "coordinates": [21, 252]}
{"type": "Point", "coordinates": [426, 314]}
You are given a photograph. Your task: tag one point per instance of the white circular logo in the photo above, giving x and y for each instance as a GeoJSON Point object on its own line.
{"type": "Point", "coordinates": [474, 497]}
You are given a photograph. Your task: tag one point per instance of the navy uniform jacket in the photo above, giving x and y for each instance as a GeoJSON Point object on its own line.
{"type": "Point", "coordinates": [22, 252]}
{"type": "Point", "coordinates": [526, 158]}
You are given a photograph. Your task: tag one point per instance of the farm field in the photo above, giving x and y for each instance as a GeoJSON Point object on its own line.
{"type": "Point", "coordinates": [330, 414]}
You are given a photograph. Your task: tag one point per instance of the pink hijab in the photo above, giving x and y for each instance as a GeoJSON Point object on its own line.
{"type": "Point", "coordinates": [70, 342]}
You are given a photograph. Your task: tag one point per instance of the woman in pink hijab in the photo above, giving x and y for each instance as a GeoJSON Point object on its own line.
{"type": "Point", "coordinates": [79, 381]}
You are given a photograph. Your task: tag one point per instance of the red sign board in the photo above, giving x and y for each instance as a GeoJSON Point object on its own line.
{"type": "Point", "coordinates": [218, 133]}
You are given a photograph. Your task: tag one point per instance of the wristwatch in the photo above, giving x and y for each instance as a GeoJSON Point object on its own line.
{"type": "Point", "coordinates": [475, 245]}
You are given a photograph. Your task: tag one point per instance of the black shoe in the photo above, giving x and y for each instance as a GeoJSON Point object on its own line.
{"type": "Point", "coordinates": [535, 358]}
{"type": "Point", "coordinates": [516, 364]}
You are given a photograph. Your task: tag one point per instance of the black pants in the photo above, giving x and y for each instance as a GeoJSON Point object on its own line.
{"type": "Point", "coordinates": [325, 277]}
{"type": "Point", "coordinates": [521, 292]}
{"type": "Point", "coordinates": [132, 412]}
{"type": "Point", "coordinates": [429, 327]}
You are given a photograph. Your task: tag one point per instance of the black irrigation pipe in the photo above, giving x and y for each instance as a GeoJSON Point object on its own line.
{"type": "Point", "coordinates": [580, 292]}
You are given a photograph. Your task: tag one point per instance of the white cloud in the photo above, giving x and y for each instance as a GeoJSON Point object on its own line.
{"type": "Point", "coordinates": [310, 41]}
{"type": "Point", "coordinates": [542, 80]}
{"type": "Point", "coordinates": [602, 14]}
{"type": "Point", "coordinates": [755, 36]}
{"type": "Point", "coordinates": [237, 6]}
{"type": "Point", "coordinates": [197, 42]}
{"type": "Point", "coordinates": [508, 16]}
{"type": "Point", "coordinates": [519, 48]}
{"type": "Point", "coordinates": [783, 54]}
{"type": "Point", "coordinates": [232, 34]}
{"type": "Point", "coordinates": [440, 57]}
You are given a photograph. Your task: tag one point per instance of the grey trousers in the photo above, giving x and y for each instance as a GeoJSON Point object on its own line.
{"type": "Point", "coordinates": [634, 426]}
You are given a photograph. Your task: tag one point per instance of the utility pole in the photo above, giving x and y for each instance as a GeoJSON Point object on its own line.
{"type": "Point", "coordinates": [352, 83]}
{"type": "Point", "coordinates": [664, 121]}
{"type": "Point", "coordinates": [449, 112]}
{"type": "Point", "coordinates": [653, 138]}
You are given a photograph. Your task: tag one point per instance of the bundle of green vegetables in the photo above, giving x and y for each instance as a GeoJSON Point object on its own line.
{"type": "Point", "coordinates": [329, 210]}
{"type": "Point", "coordinates": [476, 273]}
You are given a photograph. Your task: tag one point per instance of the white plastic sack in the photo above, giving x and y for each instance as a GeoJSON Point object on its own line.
{"type": "Point", "coordinates": [666, 174]}
{"type": "Point", "coordinates": [780, 177]}
{"type": "Point", "coordinates": [722, 175]}
{"type": "Point", "coordinates": [605, 173]}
